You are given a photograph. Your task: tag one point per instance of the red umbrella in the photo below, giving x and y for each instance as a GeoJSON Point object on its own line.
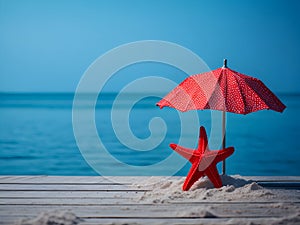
{"type": "Point", "coordinates": [222, 89]}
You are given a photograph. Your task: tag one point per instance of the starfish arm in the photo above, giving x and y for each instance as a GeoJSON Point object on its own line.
{"type": "Point", "coordinates": [193, 175]}
{"type": "Point", "coordinates": [203, 142]}
{"type": "Point", "coordinates": [185, 152]}
{"type": "Point", "coordinates": [212, 173]}
{"type": "Point", "coordinates": [223, 154]}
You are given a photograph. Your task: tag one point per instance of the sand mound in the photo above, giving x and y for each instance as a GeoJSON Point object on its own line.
{"type": "Point", "coordinates": [234, 188]}
{"type": "Point", "coordinates": [198, 212]}
{"type": "Point", "coordinates": [53, 218]}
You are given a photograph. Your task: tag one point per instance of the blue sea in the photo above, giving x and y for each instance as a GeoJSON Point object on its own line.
{"type": "Point", "coordinates": [37, 138]}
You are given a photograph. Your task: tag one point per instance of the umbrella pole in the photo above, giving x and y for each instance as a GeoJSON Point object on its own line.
{"type": "Point", "coordinates": [224, 140]}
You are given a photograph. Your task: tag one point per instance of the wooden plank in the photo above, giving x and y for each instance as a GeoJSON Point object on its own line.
{"type": "Point", "coordinates": [79, 179]}
{"type": "Point", "coordinates": [67, 187]}
{"type": "Point", "coordinates": [174, 221]}
{"type": "Point", "coordinates": [66, 183]}
{"type": "Point", "coordinates": [59, 179]}
{"type": "Point", "coordinates": [273, 178]}
{"type": "Point", "coordinates": [178, 221]}
{"type": "Point", "coordinates": [68, 194]}
{"type": "Point", "coordinates": [161, 210]}
{"type": "Point", "coordinates": [112, 200]}
{"type": "Point", "coordinates": [66, 201]}
{"type": "Point", "coordinates": [292, 195]}
{"type": "Point", "coordinates": [283, 185]}
{"type": "Point", "coordinates": [108, 186]}
{"type": "Point", "coordinates": [41, 197]}
{"type": "Point", "coordinates": [127, 198]}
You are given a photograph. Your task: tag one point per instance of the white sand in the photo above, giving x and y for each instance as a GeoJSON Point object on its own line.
{"type": "Point", "coordinates": [234, 188]}
{"type": "Point", "coordinates": [52, 218]}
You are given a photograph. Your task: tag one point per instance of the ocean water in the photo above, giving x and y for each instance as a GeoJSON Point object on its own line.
{"type": "Point", "coordinates": [36, 136]}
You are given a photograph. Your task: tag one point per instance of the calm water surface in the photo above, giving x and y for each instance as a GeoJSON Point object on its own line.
{"type": "Point", "coordinates": [36, 136]}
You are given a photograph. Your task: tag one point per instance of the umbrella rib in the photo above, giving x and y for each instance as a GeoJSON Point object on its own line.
{"type": "Point", "coordinates": [217, 84]}
{"type": "Point", "coordinates": [226, 91]}
{"type": "Point", "coordinates": [240, 91]}
{"type": "Point", "coordinates": [258, 94]}
{"type": "Point", "coordinates": [267, 106]}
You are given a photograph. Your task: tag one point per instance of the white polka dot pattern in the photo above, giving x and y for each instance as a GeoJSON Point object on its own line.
{"type": "Point", "coordinates": [222, 89]}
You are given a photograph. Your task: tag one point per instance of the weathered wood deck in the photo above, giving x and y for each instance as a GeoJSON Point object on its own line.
{"type": "Point", "coordinates": [100, 201]}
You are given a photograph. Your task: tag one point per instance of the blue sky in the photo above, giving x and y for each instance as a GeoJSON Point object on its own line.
{"type": "Point", "coordinates": [45, 46]}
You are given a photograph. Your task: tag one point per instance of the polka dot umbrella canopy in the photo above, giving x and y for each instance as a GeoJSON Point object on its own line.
{"type": "Point", "coordinates": [222, 89]}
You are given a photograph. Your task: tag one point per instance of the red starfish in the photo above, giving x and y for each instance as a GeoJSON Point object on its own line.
{"type": "Point", "coordinates": [203, 161]}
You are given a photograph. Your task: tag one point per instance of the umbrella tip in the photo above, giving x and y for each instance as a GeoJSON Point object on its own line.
{"type": "Point", "coordinates": [225, 63]}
